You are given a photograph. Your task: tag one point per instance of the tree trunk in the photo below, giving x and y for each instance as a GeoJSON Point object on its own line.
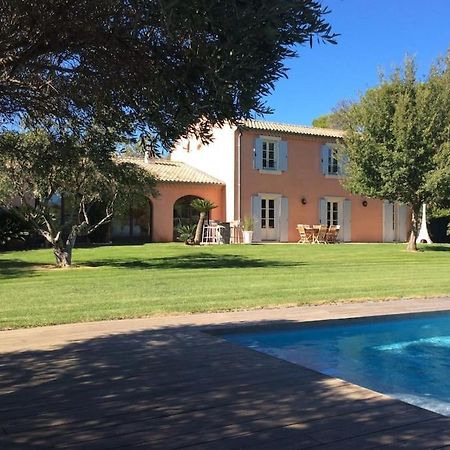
{"type": "Point", "coordinates": [199, 229]}
{"type": "Point", "coordinates": [63, 252]}
{"type": "Point", "coordinates": [412, 246]}
{"type": "Point", "coordinates": [63, 256]}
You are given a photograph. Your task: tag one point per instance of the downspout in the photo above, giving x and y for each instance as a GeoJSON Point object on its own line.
{"type": "Point", "coordinates": [239, 175]}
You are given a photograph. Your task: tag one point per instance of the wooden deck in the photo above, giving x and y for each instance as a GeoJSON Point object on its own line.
{"type": "Point", "coordinates": [175, 386]}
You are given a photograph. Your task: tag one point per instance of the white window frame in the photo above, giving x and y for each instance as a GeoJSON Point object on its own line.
{"type": "Point", "coordinates": [329, 160]}
{"type": "Point", "coordinates": [275, 141]}
{"type": "Point", "coordinates": [330, 212]}
{"type": "Point", "coordinates": [332, 162]}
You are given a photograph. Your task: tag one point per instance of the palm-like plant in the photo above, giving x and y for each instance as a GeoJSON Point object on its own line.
{"type": "Point", "coordinates": [203, 207]}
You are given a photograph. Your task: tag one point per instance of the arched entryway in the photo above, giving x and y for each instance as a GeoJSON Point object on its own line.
{"type": "Point", "coordinates": [184, 213]}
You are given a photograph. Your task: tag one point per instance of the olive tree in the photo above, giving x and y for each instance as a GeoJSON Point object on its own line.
{"type": "Point", "coordinates": [170, 67]}
{"type": "Point", "coordinates": [397, 140]}
{"type": "Point", "coordinates": [39, 168]}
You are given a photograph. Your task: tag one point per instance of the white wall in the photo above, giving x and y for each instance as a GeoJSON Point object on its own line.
{"type": "Point", "coordinates": [216, 159]}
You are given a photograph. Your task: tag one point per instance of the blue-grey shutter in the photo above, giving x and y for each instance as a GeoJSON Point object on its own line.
{"type": "Point", "coordinates": [284, 222]}
{"type": "Point", "coordinates": [324, 152]}
{"type": "Point", "coordinates": [257, 154]}
{"type": "Point", "coordinates": [388, 232]}
{"type": "Point", "coordinates": [323, 211]}
{"type": "Point", "coordinates": [347, 231]}
{"type": "Point", "coordinates": [282, 156]}
{"type": "Point", "coordinates": [403, 223]}
{"type": "Point", "coordinates": [256, 215]}
{"type": "Point", "coordinates": [343, 165]}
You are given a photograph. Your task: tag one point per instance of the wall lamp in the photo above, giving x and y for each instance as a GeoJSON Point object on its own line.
{"type": "Point", "coordinates": [303, 201]}
{"type": "Point", "coordinates": [364, 203]}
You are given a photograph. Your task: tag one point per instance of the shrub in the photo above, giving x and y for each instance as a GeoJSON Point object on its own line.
{"type": "Point", "coordinates": [186, 233]}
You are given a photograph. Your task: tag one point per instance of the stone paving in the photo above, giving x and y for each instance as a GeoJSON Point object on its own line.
{"type": "Point", "coordinates": [167, 382]}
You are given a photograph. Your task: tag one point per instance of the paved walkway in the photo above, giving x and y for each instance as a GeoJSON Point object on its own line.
{"type": "Point", "coordinates": [165, 383]}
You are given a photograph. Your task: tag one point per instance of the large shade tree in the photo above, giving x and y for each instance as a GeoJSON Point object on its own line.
{"type": "Point", "coordinates": [398, 140]}
{"type": "Point", "coordinates": [41, 168]}
{"type": "Point", "coordinates": [163, 65]}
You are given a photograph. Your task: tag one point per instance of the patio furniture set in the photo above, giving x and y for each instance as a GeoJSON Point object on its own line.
{"type": "Point", "coordinates": [318, 234]}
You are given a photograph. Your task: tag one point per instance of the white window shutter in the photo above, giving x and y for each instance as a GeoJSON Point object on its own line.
{"type": "Point", "coordinates": [256, 215]}
{"type": "Point", "coordinates": [323, 211]}
{"type": "Point", "coordinates": [257, 154]}
{"type": "Point", "coordinates": [284, 222]}
{"type": "Point", "coordinates": [347, 231]}
{"type": "Point", "coordinates": [324, 154]}
{"type": "Point", "coordinates": [403, 223]}
{"type": "Point", "coordinates": [282, 156]}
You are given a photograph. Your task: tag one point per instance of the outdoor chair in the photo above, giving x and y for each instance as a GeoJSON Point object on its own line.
{"type": "Point", "coordinates": [332, 234]}
{"type": "Point", "coordinates": [236, 232]}
{"type": "Point", "coordinates": [212, 233]}
{"type": "Point", "coordinates": [305, 236]}
{"type": "Point", "coordinates": [321, 234]}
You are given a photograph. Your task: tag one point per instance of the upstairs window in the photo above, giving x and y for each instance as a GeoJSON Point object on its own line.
{"type": "Point", "coordinates": [333, 167]}
{"type": "Point", "coordinates": [330, 164]}
{"type": "Point", "coordinates": [270, 155]}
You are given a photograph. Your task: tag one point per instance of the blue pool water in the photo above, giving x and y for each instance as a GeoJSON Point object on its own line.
{"type": "Point", "coordinates": [405, 357]}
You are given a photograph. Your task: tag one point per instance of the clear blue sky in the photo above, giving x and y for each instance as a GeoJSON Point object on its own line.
{"type": "Point", "coordinates": [375, 34]}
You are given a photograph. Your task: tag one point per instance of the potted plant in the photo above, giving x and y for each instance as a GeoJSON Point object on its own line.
{"type": "Point", "coordinates": [247, 229]}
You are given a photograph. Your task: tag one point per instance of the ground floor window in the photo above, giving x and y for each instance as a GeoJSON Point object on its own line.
{"type": "Point", "coordinates": [332, 213]}
{"type": "Point", "coordinates": [267, 213]}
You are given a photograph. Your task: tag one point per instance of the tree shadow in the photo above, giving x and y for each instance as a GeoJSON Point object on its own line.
{"type": "Point", "coordinates": [197, 261]}
{"type": "Point", "coordinates": [435, 248]}
{"type": "Point", "coordinates": [179, 387]}
{"type": "Point", "coordinates": [15, 268]}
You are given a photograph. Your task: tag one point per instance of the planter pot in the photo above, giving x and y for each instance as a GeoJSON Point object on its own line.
{"type": "Point", "coordinates": [247, 237]}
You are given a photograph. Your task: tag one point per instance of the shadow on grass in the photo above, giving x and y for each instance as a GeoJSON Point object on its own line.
{"type": "Point", "coordinates": [197, 261]}
{"type": "Point", "coordinates": [435, 248]}
{"type": "Point", "coordinates": [15, 268]}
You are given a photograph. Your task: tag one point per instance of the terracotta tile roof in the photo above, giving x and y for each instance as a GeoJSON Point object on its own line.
{"type": "Point", "coordinates": [168, 171]}
{"type": "Point", "coordinates": [295, 129]}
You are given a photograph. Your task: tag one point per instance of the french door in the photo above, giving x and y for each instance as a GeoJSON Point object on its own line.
{"type": "Point", "coordinates": [269, 218]}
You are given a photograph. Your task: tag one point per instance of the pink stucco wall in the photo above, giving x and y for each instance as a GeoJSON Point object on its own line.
{"type": "Point", "coordinates": [304, 179]}
{"type": "Point", "coordinates": [162, 220]}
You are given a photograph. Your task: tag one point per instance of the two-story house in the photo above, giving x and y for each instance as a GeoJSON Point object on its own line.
{"type": "Point", "coordinates": [282, 175]}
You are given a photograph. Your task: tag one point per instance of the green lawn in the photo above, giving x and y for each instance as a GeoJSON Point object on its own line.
{"type": "Point", "coordinates": [134, 281]}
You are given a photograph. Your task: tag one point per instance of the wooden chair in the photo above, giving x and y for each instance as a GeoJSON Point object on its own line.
{"type": "Point", "coordinates": [305, 238]}
{"type": "Point", "coordinates": [332, 234]}
{"type": "Point", "coordinates": [321, 235]}
{"type": "Point", "coordinates": [236, 233]}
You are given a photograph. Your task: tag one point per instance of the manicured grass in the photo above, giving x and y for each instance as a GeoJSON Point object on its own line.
{"type": "Point", "coordinates": [134, 281]}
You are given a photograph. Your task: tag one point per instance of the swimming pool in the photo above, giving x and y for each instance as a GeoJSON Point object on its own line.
{"type": "Point", "coordinates": [406, 357]}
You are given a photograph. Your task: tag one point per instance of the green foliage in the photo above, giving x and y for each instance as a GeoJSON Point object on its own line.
{"type": "Point", "coordinates": [186, 233]}
{"type": "Point", "coordinates": [335, 119]}
{"type": "Point", "coordinates": [322, 121]}
{"type": "Point", "coordinates": [397, 139]}
{"type": "Point", "coordinates": [52, 180]}
{"type": "Point", "coordinates": [164, 66]}
{"type": "Point", "coordinates": [248, 223]}
{"type": "Point", "coordinates": [202, 205]}
{"type": "Point", "coordinates": [12, 228]}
